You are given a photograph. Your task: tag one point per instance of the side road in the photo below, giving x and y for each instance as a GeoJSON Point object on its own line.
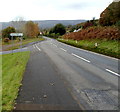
{"type": "Point", "coordinates": [43, 88]}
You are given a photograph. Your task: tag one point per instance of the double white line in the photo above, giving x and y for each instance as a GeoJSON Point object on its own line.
{"type": "Point", "coordinates": [37, 47]}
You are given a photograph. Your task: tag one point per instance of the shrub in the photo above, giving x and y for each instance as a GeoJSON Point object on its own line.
{"type": "Point", "coordinates": [6, 32]}
{"type": "Point", "coordinates": [6, 40]}
{"type": "Point", "coordinates": [109, 33]}
{"type": "Point", "coordinates": [118, 24]}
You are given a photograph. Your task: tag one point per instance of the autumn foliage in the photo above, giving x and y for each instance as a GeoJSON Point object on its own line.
{"type": "Point", "coordinates": [110, 15]}
{"type": "Point", "coordinates": [110, 33]}
{"type": "Point", "coordinates": [31, 29]}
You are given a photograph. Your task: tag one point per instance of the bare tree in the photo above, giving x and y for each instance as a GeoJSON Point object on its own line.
{"type": "Point", "coordinates": [19, 23]}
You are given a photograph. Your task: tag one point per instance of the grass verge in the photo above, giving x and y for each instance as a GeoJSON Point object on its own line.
{"type": "Point", "coordinates": [17, 43]}
{"type": "Point", "coordinates": [13, 67]}
{"type": "Point", "coordinates": [106, 47]}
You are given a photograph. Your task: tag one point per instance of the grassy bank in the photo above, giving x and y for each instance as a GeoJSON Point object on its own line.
{"type": "Point", "coordinates": [106, 47]}
{"type": "Point", "coordinates": [16, 44]}
{"type": "Point", "coordinates": [13, 67]}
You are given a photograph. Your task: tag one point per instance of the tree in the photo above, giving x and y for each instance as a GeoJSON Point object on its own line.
{"type": "Point", "coordinates": [110, 15]}
{"type": "Point", "coordinates": [6, 32]}
{"type": "Point", "coordinates": [59, 28]}
{"type": "Point", "coordinates": [19, 23]}
{"type": "Point", "coordinates": [31, 29]}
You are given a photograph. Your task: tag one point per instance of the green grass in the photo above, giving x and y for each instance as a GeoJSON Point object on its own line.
{"type": "Point", "coordinates": [24, 42]}
{"type": "Point", "coordinates": [13, 67]}
{"type": "Point", "coordinates": [106, 47]}
{"type": "Point", "coordinates": [0, 83]}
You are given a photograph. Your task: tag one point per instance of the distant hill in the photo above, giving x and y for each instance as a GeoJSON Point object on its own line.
{"type": "Point", "coordinates": [52, 23]}
{"type": "Point", "coordinates": [43, 23]}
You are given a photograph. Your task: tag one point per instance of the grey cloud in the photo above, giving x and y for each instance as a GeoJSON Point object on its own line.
{"type": "Point", "coordinates": [78, 6]}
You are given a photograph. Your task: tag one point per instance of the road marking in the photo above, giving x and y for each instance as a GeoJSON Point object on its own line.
{"type": "Point", "coordinates": [34, 46]}
{"type": "Point", "coordinates": [80, 49]}
{"type": "Point", "coordinates": [78, 91]}
{"type": "Point", "coordinates": [113, 72]}
{"type": "Point", "coordinates": [38, 48]}
{"type": "Point", "coordinates": [25, 48]}
{"type": "Point", "coordinates": [54, 45]}
{"type": "Point", "coordinates": [63, 49]}
{"type": "Point", "coordinates": [80, 58]}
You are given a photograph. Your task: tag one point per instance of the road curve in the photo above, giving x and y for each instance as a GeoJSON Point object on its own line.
{"type": "Point", "coordinates": [87, 79]}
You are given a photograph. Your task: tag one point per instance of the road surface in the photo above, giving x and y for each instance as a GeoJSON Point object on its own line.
{"type": "Point", "coordinates": [62, 77]}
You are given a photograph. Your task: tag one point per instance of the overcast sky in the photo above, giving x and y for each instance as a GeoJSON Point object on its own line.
{"type": "Point", "coordinates": [51, 9]}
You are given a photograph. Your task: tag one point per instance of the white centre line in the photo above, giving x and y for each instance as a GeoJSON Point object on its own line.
{"type": "Point", "coordinates": [80, 58]}
{"type": "Point", "coordinates": [38, 48]}
{"type": "Point", "coordinates": [63, 49]}
{"type": "Point", "coordinates": [113, 72]}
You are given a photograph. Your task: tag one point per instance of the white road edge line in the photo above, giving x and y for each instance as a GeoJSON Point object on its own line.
{"type": "Point", "coordinates": [63, 49]}
{"type": "Point", "coordinates": [80, 58]}
{"type": "Point", "coordinates": [38, 48]}
{"type": "Point", "coordinates": [113, 72]}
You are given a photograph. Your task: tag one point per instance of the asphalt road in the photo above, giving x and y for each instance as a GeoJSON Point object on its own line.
{"type": "Point", "coordinates": [59, 76]}
{"type": "Point", "coordinates": [21, 49]}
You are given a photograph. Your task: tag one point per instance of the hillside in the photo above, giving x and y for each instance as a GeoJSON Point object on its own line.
{"type": "Point", "coordinates": [43, 23]}
{"type": "Point", "coordinates": [111, 15]}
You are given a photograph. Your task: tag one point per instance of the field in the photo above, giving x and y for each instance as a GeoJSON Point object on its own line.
{"type": "Point", "coordinates": [13, 67]}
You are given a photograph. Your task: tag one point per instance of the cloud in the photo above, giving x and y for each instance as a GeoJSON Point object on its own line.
{"type": "Point", "coordinates": [116, 0]}
{"type": "Point", "coordinates": [52, 9]}
{"type": "Point", "coordinates": [77, 6]}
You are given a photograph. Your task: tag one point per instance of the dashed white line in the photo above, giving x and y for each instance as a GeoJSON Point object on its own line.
{"type": "Point", "coordinates": [78, 90]}
{"type": "Point", "coordinates": [80, 58]}
{"type": "Point", "coordinates": [38, 48]}
{"type": "Point", "coordinates": [88, 51]}
{"type": "Point", "coordinates": [25, 48]}
{"type": "Point", "coordinates": [113, 72]}
{"type": "Point", "coordinates": [55, 45]}
{"type": "Point", "coordinates": [63, 49]}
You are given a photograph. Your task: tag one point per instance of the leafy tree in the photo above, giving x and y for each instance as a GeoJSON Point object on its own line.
{"type": "Point", "coordinates": [59, 28]}
{"type": "Point", "coordinates": [6, 32]}
{"type": "Point", "coordinates": [31, 29]}
{"type": "Point", "coordinates": [110, 15]}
